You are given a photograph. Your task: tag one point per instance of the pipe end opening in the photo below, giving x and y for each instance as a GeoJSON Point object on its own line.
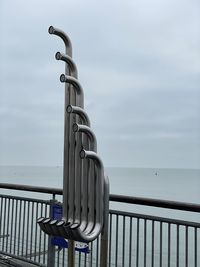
{"type": "Point", "coordinates": [60, 223]}
{"type": "Point", "coordinates": [58, 55]}
{"type": "Point", "coordinates": [47, 220]}
{"type": "Point", "coordinates": [74, 226]}
{"type": "Point", "coordinates": [51, 30]}
{"type": "Point", "coordinates": [69, 109]}
{"type": "Point", "coordinates": [62, 78]}
{"type": "Point", "coordinates": [53, 222]}
{"type": "Point", "coordinates": [40, 219]}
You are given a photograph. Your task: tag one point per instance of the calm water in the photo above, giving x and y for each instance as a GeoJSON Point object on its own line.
{"type": "Point", "coordinates": [174, 184]}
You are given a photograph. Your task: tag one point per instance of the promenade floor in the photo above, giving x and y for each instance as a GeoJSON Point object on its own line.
{"type": "Point", "coordinates": [8, 261]}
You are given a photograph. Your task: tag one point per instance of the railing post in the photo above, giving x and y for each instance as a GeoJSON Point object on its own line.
{"type": "Point", "coordinates": [104, 234]}
{"type": "Point", "coordinates": [51, 249]}
{"type": "Point", "coordinates": [71, 253]}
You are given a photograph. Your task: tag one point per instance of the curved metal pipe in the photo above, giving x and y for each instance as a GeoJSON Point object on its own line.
{"type": "Point", "coordinates": [81, 112]}
{"type": "Point", "coordinates": [64, 37]}
{"type": "Point", "coordinates": [90, 201]}
{"type": "Point", "coordinates": [67, 59]}
{"type": "Point", "coordinates": [92, 155]}
{"type": "Point", "coordinates": [73, 168]}
{"type": "Point", "coordinates": [90, 235]}
{"type": "Point", "coordinates": [69, 99]}
{"type": "Point", "coordinates": [88, 131]}
{"type": "Point", "coordinates": [78, 88]}
{"type": "Point", "coordinates": [86, 167]}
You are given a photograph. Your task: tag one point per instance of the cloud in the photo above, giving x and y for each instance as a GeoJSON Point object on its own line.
{"type": "Point", "coordinates": [138, 62]}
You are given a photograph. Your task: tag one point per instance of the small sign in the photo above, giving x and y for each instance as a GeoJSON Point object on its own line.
{"type": "Point", "coordinates": [61, 242]}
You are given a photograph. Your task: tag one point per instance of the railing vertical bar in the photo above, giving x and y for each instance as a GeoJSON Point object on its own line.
{"type": "Point", "coordinates": [11, 225]}
{"type": "Point", "coordinates": [169, 244]}
{"type": "Point", "coordinates": [23, 226]}
{"type": "Point", "coordinates": [152, 245]}
{"type": "Point", "coordinates": [97, 252]}
{"type": "Point", "coordinates": [36, 234]}
{"type": "Point", "coordinates": [110, 241]}
{"type": "Point", "coordinates": [58, 258]}
{"type": "Point", "coordinates": [4, 222]}
{"type": "Point", "coordinates": [186, 246]}
{"type": "Point", "coordinates": [85, 259]}
{"type": "Point", "coordinates": [195, 247]}
{"type": "Point", "coordinates": [177, 246]}
{"type": "Point", "coordinates": [145, 242]}
{"type": "Point", "coordinates": [31, 234]}
{"type": "Point", "coordinates": [123, 241]}
{"type": "Point", "coordinates": [91, 254]}
{"type": "Point", "coordinates": [161, 244]}
{"type": "Point", "coordinates": [138, 241]}
{"type": "Point", "coordinates": [44, 242]}
{"type": "Point", "coordinates": [16, 214]}
{"type": "Point", "coordinates": [40, 232]}
{"type": "Point", "coordinates": [130, 243]}
{"type": "Point", "coordinates": [27, 228]}
{"type": "Point", "coordinates": [116, 247]}
{"type": "Point", "coordinates": [8, 223]}
{"type": "Point", "coordinates": [1, 212]}
{"type": "Point", "coordinates": [79, 259]}
{"type": "Point", "coordinates": [19, 227]}
{"type": "Point", "coordinates": [63, 257]}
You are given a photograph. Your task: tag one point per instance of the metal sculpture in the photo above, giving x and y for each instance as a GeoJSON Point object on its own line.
{"type": "Point", "coordinates": [85, 187]}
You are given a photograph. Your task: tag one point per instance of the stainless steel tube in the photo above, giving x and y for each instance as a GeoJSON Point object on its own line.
{"type": "Point", "coordinates": [81, 112]}
{"type": "Point", "coordinates": [76, 85]}
{"type": "Point", "coordinates": [67, 59]}
{"type": "Point", "coordinates": [69, 99]}
{"type": "Point", "coordinates": [85, 235]}
{"type": "Point", "coordinates": [90, 201]}
{"type": "Point", "coordinates": [64, 37]}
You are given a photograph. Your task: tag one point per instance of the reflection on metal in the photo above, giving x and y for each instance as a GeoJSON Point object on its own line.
{"type": "Point", "coordinates": [85, 187]}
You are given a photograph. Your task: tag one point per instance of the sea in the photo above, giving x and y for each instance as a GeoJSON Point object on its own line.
{"type": "Point", "coordinates": [160, 183]}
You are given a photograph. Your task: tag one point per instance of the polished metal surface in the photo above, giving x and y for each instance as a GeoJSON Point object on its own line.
{"type": "Point", "coordinates": [85, 188]}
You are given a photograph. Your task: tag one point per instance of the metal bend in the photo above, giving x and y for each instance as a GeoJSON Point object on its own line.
{"type": "Point", "coordinates": [81, 112]}
{"type": "Point", "coordinates": [64, 37]}
{"type": "Point", "coordinates": [98, 222]}
{"type": "Point", "coordinates": [73, 81]}
{"type": "Point", "coordinates": [90, 222]}
{"type": "Point", "coordinates": [88, 131]}
{"type": "Point", "coordinates": [84, 237]}
{"type": "Point", "coordinates": [92, 155]}
{"type": "Point", "coordinates": [69, 61]}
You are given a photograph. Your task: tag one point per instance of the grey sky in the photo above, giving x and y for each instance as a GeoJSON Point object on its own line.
{"type": "Point", "coordinates": [138, 62]}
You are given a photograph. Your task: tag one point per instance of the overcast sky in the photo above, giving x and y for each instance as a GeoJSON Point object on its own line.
{"type": "Point", "coordinates": [138, 62]}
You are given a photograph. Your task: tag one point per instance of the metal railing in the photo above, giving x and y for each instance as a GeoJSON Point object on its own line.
{"type": "Point", "coordinates": [134, 239]}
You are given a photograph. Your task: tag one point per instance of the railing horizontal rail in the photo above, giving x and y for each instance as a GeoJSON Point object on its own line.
{"type": "Point", "coordinates": [31, 188]}
{"type": "Point", "coordinates": [155, 218]}
{"type": "Point", "coordinates": [168, 204]}
{"type": "Point", "coordinates": [25, 199]}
